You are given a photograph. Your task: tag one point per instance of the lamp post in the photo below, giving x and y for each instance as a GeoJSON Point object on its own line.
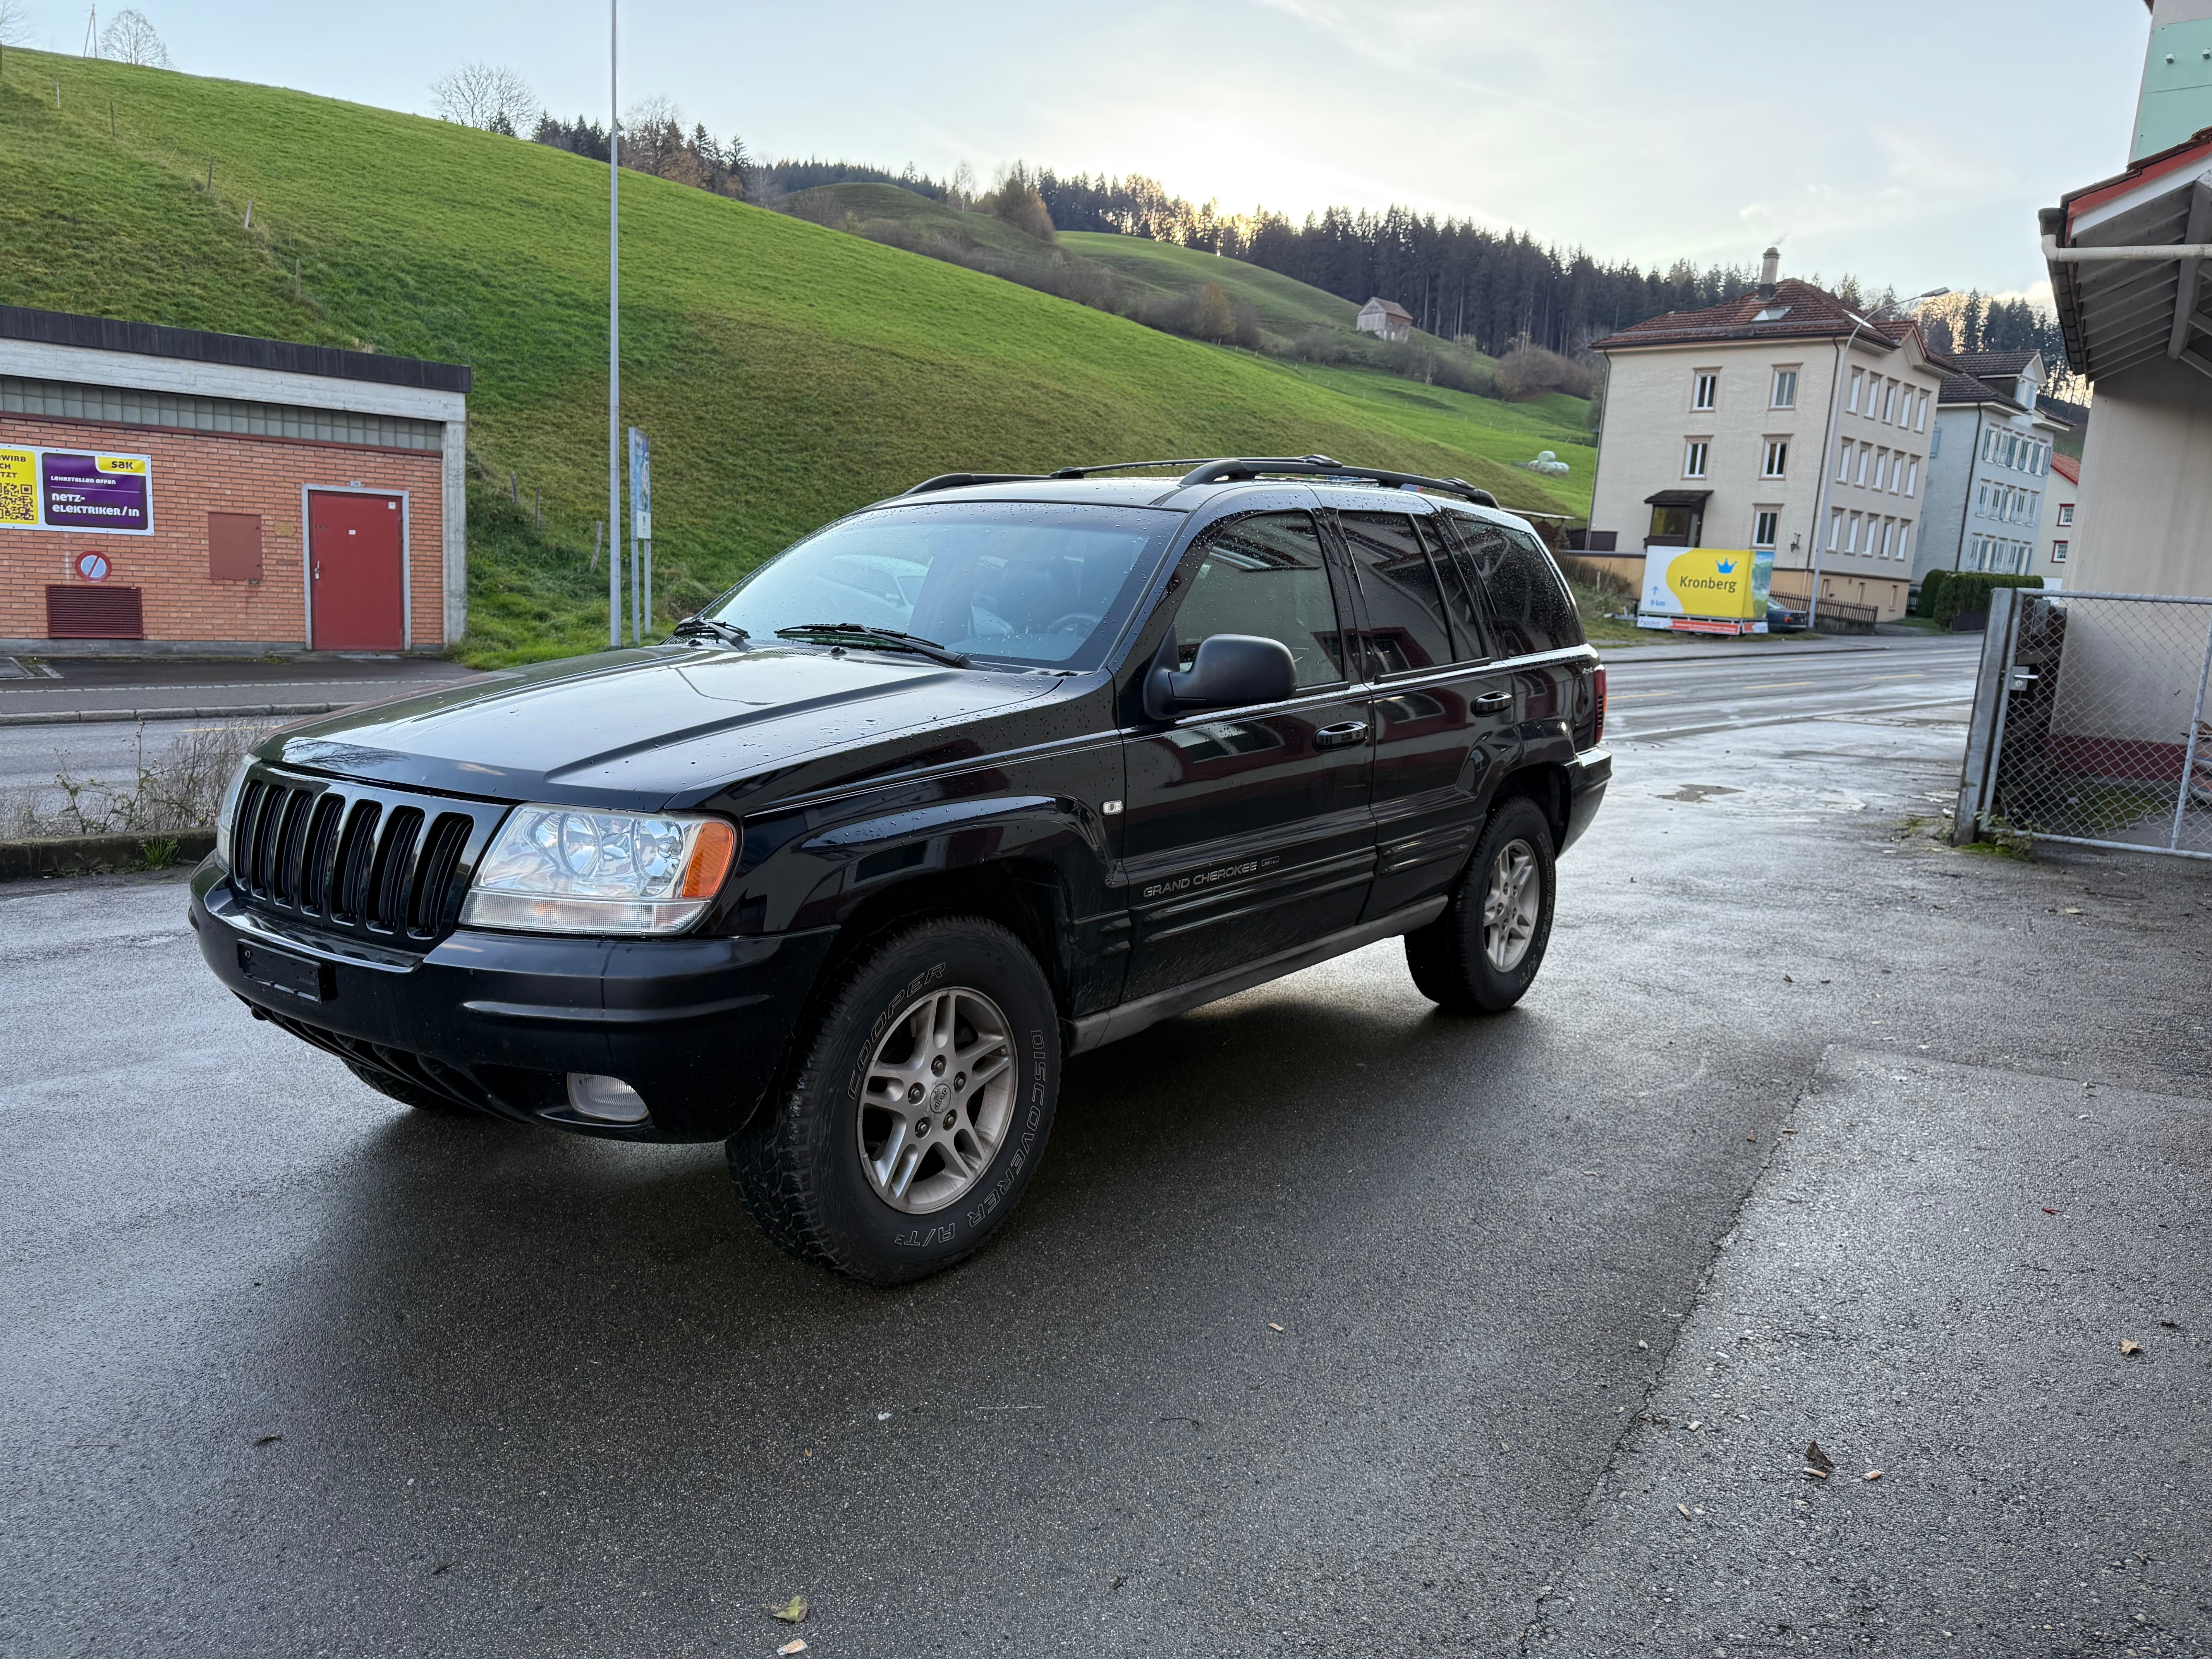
{"type": "Point", "coordinates": [1836, 419]}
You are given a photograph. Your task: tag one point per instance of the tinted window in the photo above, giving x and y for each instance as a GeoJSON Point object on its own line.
{"type": "Point", "coordinates": [1022, 581]}
{"type": "Point", "coordinates": [1406, 616]}
{"type": "Point", "coordinates": [1263, 575]}
{"type": "Point", "coordinates": [1528, 604]}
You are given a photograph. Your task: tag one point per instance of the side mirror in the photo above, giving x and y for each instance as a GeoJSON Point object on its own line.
{"type": "Point", "coordinates": [1229, 671]}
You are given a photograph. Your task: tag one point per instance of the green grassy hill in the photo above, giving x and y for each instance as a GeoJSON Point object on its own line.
{"type": "Point", "coordinates": [1286, 305]}
{"type": "Point", "coordinates": [787, 372]}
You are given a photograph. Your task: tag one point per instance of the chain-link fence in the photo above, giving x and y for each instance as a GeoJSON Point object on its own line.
{"type": "Point", "coordinates": [2093, 722]}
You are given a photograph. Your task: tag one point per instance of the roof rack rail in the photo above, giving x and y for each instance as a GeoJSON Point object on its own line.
{"type": "Point", "coordinates": [1125, 466]}
{"type": "Point", "coordinates": [959, 480]}
{"type": "Point", "coordinates": [1320, 466]}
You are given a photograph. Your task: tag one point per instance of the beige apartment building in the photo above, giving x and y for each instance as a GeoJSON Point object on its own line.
{"type": "Point", "coordinates": [1779, 421]}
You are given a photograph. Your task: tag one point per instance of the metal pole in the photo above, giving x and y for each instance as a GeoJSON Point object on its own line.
{"type": "Point", "coordinates": [614, 338]}
{"type": "Point", "coordinates": [636, 584]}
{"type": "Point", "coordinates": [2189, 756]}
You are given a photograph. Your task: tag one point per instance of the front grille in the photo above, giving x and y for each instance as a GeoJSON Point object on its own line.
{"type": "Point", "coordinates": [385, 864]}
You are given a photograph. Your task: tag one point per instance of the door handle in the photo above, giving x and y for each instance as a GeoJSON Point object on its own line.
{"type": "Point", "coordinates": [319, 570]}
{"type": "Point", "coordinates": [1340, 736]}
{"type": "Point", "coordinates": [1490, 700]}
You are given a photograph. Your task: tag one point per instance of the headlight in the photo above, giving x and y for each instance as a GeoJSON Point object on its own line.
{"type": "Point", "coordinates": [561, 870]}
{"type": "Point", "coordinates": [226, 814]}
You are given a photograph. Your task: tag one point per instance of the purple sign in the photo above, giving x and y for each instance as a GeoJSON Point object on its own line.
{"type": "Point", "coordinates": [94, 492]}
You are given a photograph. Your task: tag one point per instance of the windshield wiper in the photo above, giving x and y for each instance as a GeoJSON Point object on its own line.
{"type": "Point", "coordinates": [890, 638]}
{"type": "Point", "coordinates": [707, 628]}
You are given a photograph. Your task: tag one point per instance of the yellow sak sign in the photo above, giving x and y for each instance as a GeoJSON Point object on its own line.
{"type": "Point", "coordinates": [1723, 584]}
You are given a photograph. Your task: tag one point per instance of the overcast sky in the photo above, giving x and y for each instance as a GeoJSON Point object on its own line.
{"type": "Point", "coordinates": [1911, 142]}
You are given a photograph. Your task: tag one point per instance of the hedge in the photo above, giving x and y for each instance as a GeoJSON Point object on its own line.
{"type": "Point", "coordinates": [1968, 591]}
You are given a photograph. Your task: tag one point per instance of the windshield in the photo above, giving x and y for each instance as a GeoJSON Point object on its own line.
{"type": "Point", "coordinates": [1025, 582]}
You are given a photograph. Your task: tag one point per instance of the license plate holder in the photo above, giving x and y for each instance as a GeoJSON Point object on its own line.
{"type": "Point", "coordinates": [279, 970]}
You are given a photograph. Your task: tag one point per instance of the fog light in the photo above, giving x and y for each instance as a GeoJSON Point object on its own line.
{"type": "Point", "coordinates": [604, 1099]}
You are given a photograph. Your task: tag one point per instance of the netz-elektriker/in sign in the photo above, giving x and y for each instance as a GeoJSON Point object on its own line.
{"type": "Point", "coordinates": [84, 491]}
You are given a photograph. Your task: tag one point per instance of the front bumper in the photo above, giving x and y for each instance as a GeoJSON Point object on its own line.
{"type": "Point", "coordinates": [1588, 774]}
{"type": "Point", "coordinates": [697, 1026]}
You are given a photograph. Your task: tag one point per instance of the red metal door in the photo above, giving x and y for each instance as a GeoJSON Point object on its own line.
{"type": "Point", "coordinates": [356, 572]}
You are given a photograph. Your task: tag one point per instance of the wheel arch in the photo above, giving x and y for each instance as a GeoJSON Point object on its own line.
{"type": "Point", "coordinates": [1544, 783]}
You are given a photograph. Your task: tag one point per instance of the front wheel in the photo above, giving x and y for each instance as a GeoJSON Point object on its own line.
{"type": "Point", "coordinates": [1482, 954]}
{"type": "Point", "coordinates": [916, 1106]}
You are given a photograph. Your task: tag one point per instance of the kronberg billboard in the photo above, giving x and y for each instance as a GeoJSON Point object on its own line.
{"type": "Point", "coordinates": [1705, 590]}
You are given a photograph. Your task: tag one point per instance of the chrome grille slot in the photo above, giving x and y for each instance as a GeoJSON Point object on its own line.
{"type": "Point", "coordinates": [322, 842]}
{"type": "Point", "coordinates": [393, 873]}
{"type": "Point", "coordinates": [441, 857]}
{"type": "Point", "coordinates": [291, 832]}
{"type": "Point", "coordinates": [356, 851]}
{"type": "Point", "coordinates": [357, 859]}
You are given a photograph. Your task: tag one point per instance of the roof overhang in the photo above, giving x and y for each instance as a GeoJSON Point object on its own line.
{"type": "Point", "coordinates": [1696, 498]}
{"type": "Point", "coordinates": [2130, 261]}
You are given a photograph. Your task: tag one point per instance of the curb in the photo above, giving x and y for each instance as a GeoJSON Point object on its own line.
{"type": "Point", "coordinates": [85, 855]}
{"type": "Point", "coordinates": [246, 710]}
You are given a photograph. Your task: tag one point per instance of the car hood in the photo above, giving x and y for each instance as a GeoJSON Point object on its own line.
{"type": "Point", "coordinates": [665, 726]}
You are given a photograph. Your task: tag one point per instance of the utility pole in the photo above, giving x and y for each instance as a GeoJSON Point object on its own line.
{"type": "Point", "coordinates": [614, 336]}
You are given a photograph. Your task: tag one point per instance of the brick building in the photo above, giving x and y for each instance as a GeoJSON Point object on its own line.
{"type": "Point", "coordinates": [167, 491]}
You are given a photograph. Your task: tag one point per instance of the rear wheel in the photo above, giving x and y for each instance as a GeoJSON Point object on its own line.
{"type": "Point", "coordinates": [1482, 954]}
{"type": "Point", "coordinates": [916, 1106]}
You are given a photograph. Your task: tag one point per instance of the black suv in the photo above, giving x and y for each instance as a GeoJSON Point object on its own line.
{"type": "Point", "coordinates": [975, 779]}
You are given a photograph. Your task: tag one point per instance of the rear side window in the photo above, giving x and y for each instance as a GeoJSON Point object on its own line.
{"type": "Point", "coordinates": [1529, 606]}
{"type": "Point", "coordinates": [1263, 575]}
{"type": "Point", "coordinates": [1407, 626]}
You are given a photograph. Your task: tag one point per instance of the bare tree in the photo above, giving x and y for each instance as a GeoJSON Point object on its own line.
{"type": "Point", "coordinates": [130, 39]}
{"type": "Point", "coordinates": [489, 96]}
{"type": "Point", "coordinates": [14, 24]}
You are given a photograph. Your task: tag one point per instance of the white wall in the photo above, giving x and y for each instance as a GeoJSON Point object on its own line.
{"type": "Point", "coordinates": [2147, 484]}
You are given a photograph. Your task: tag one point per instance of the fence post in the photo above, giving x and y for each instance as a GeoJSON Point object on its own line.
{"type": "Point", "coordinates": [2189, 755]}
{"type": "Point", "coordinates": [1985, 725]}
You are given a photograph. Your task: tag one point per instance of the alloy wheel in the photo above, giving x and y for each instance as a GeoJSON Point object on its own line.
{"type": "Point", "coordinates": [1510, 906]}
{"type": "Point", "coordinates": [936, 1099]}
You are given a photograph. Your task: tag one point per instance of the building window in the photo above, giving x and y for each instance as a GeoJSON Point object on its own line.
{"type": "Point", "coordinates": [1912, 475]}
{"type": "Point", "coordinates": [1857, 376]}
{"type": "Point", "coordinates": [1904, 537]}
{"type": "Point", "coordinates": [1693, 463]}
{"type": "Point", "coordinates": [1835, 528]}
{"type": "Point", "coordinates": [1881, 465]}
{"type": "Point", "coordinates": [1982, 498]}
{"type": "Point", "coordinates": [1889, 402]}
{"type": "Point", "coordinates": [1866, 451]}
{"type": "Point", "coordinates": [1888, 529]}
{"type": "Point", "coordinates": [1843, 460]}
{"type": "Point", "coordinates": [1990, 445]}
{"type": "Point", "coordinates": [1705, 389]}
{"type": "Point", "coordinates": [1920, 421]}
{"type": "Point", "coordinates": [1936, 443]}
{"type": "Point", "coordinates": [1785, 388]}
{"type": "Point", "coordinates": [1777, 458]}
{"type": "Point", "coordinates": [2065, 512]}
{"type": "Point", "coordinates": [1851, 540]}
{"type": "Point", "coordinates": [2059, 552]}
{"type": "Point", "coordinates": [1763, 523]}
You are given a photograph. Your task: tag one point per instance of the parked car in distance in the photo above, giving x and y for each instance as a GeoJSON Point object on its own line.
{"type": "Point", "coordinates": [1782, 618]}
{"type": "Point", "coordinates": [975, 779]}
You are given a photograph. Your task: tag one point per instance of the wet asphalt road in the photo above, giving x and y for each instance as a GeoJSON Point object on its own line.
{"type": "Point", "coordinates": [291, 1371]}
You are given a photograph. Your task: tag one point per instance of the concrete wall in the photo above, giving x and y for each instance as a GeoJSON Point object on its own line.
{"type": "Point", "coordinates": [2147, 484]}
{"type": "Point", "coordinates": [1648, 423]}
{"type": "Point", "coordinates": [195, 474]}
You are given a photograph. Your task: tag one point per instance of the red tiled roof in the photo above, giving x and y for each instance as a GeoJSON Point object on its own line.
{"type": "Point", "coordinates": [2067, 468]}
{"type": "Point", "coordinates": [1808, 313]}
{"type": "Point", "coordinates": [1390, 308]}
